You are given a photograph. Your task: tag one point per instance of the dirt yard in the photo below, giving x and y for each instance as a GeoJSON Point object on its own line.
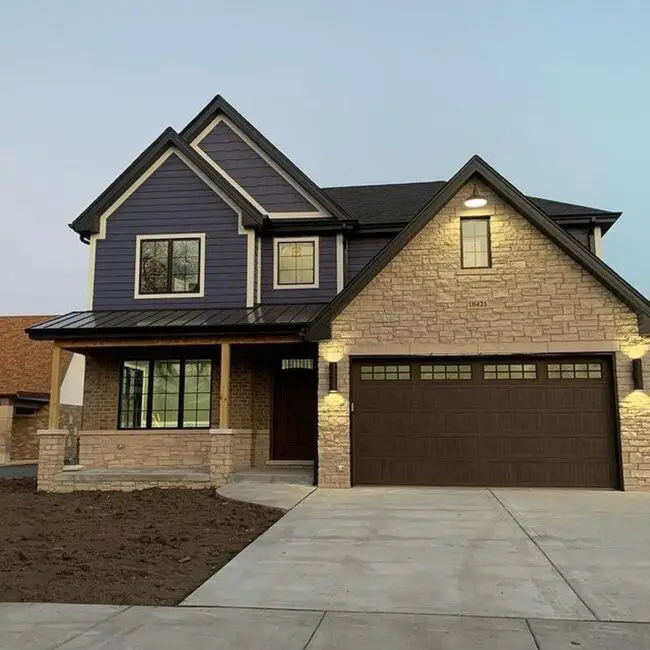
{"type": "Point", "coordinates": [151, 547]}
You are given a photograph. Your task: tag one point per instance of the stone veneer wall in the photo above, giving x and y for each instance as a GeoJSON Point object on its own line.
{"type": "Point", "coordinates": [537, 300]}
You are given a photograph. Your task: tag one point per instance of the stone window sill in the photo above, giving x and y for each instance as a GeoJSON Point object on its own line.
{"type": "Point", "coordinates": [488, 271]}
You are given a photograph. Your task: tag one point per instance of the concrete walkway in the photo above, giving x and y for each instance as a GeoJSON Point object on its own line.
{"type": "Point", "coordinates": [26, 626]}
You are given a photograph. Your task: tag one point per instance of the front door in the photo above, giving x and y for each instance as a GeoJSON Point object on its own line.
{"type": "Point", "coordinates": [294, 409]}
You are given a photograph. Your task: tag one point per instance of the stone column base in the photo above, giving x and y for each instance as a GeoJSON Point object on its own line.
{"type": "Point", "coordinates": [221, 455]}
{"type": "Point", "coordinates": [51, 457]}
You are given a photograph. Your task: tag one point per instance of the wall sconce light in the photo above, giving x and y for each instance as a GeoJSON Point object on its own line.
{"type": "Point", "coordinates": [334, 378]}
{"type": "Point", "coordinates": [475, 200]}
{"type": "Point", "coordinates": [637, 374]}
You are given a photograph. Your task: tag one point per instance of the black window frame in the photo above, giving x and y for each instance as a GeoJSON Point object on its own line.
{"type": "Point", "coordinates": [170, 246]}
{"type": "Point", "coordinates": [181, 393]}
{"type": "Point", "coordinates": [489, 242]}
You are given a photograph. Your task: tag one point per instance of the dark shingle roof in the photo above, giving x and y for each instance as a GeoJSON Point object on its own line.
{"type": "Point", "coordinates": [400, 202]}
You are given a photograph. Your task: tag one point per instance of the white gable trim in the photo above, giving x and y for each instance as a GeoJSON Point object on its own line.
{"type": "Point", "coordinates": [289, 179]}
{"type": "Point", "coordinates": [250, 275]}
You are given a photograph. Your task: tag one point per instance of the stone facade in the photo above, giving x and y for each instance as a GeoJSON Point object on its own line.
{"type": "Point", "coordinates": [6, 423]}
{"type": "Point", "coordinates": [534, 299]}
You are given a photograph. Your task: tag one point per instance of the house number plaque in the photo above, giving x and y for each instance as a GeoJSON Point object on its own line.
{"type": "Point", "coordinates": [477, 303]}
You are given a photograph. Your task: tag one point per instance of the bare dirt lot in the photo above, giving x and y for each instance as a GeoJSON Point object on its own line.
{"type": "Point", "coordinates": [150, 547]}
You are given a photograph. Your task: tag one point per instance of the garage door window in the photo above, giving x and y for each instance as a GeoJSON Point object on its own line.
{"type": "Point", "coordinates": [443, 372]}
{"type": "Point", "coordinates": [385, 373]}
{"type": "Point", "coordinates": [510, 371]}
{"type": "Point", "coordinates": [574, 371]}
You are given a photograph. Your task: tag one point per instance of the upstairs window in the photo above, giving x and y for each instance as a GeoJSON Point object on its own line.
{"type": "Point", "coordinates": [475, 243]}
{"type": "Point", "coordinates": [169, 266]}
{"type": "Point", "coordinates": [295, 263]}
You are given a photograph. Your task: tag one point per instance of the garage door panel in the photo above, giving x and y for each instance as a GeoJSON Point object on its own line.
{"type": "Point", "coordinates": [430, 430]}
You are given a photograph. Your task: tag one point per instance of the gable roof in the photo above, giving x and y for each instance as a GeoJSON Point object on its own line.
{"type": "Point", "coordinates": [219, 106]}
{"type": "Point", "coordinates": [25, 365]}
{"type": "Point", "coordinates": [477, 167]}
{"type": "Point", "coordinates": [88, 221]}
{"type": "Point", "coordinates": [397, 203]}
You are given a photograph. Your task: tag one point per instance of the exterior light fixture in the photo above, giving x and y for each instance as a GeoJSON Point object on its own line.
{"type": "Point", "coordinates": [475, 200]}
{"type": "Point", "coordinates": [637, 374]}
{"type": "Point", "coordinates": [334, 379]}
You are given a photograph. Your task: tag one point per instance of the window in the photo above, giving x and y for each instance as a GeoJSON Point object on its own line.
{"type": "Point", "coordinates": [169, 266]}
{"type": "Point", "coordinates": [297, 364]}
{"type": "Point", "coordinates": [510, 371]}
{"type": "Point", "coordinates": [25, 410]}
{"type": "Point", "coordinates": [385, 373]}
{"type": "Point", "coordinates": [475, 243]}
{"type": "Point", "coordinates": [574, 371]}
{"type": "Point", "coordinates": [449, 371]}
{"type": "Point", "coordinates": [295, 263]}
{"type": "Point", "coordinates": [165, 394]}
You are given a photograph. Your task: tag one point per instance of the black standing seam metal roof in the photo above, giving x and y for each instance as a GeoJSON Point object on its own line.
{"type": "Point", "coordinates": [196, 322]}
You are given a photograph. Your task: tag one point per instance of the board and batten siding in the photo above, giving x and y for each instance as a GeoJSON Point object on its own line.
{"type": "Point", "coordinates": [326, 289]}
{"type": "Point", "coordinates": [252, 172]}
{"type": "Point", "coordinates": [361, 250]}
{"type": "Point", "coordinates": [172, 200]}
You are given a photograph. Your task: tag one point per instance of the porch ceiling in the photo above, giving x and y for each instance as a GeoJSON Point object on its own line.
{"type": "Point", "coordinates": [156, 323]}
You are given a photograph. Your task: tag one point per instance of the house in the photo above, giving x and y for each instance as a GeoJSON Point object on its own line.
{"type": "Point", "coordinates": [25, 368]}
{"type": "Point", "coordinates": [447, 333]}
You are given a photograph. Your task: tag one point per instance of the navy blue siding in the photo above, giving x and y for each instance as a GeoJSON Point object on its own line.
{"type": "Point", "coordinates": [172, 200]}
{"type": "Point", "coordinates": [246, 167]}
{"type": "Point", "coordinates": [326, 282]}
{"type": "Point", "coordinates": [361, 250]}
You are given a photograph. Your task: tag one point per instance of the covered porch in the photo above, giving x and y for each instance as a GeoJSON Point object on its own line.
{"type": "Point", "coordinates": [191, 411]}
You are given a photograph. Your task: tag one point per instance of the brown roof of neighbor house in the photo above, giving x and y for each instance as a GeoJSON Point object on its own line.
{"type": "Point", "coordinates": [25, 365]}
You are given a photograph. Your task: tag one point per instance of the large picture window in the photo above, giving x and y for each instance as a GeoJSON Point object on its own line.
{"type": "Point", "coordinates": [169, 266]}
{"type": "Point", "coordinates": [165, 394]}
{"type": "Point", "coordinates": [295, 263]}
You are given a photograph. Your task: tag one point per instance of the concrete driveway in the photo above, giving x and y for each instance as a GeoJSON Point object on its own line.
{"type": "Point", "coordinates": [531, 554]}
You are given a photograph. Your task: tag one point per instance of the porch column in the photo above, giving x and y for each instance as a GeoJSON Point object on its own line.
{"type": "Point", "coordinates": [221, 442]}
{"type": "Point", "coordinates": [6, 425]}
{"type": "Point", "coordinates": [224, 387]}
{"type": "Point", "coordinates": [55, 387]}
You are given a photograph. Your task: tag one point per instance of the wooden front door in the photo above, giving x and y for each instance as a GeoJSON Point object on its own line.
{"type": "Point", "coordinates": [294, 409]}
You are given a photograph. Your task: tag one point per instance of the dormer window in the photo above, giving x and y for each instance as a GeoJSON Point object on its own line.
{"type": "Point", "coordinates": [295, 263]}
{"type": "Point", "coordinates": [475, 243]}
{"type": "Point", "coordinates": [170, 266]}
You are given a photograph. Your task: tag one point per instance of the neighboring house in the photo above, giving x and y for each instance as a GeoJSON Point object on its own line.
{"type": "Point", "coordinates": [25, 374]}
{"type": "Point", "coordinates": [445, 333]}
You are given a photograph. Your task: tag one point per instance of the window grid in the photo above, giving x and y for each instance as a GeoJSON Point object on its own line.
{"type": "Point", "coordinates": [165, 394]}
{"type": "Point", "coordinates": [385, 373]}
{"type": "Point", "coordinates": [197, 393]}
{"type": "Point", "coordinates": [510, 371]}
{"type": "Point", "coordinates": [297, 364]}
{"type": "Point", "coordinates": [475, 243]}
{"type": "Point", "coordinates": [170, 266]}
{"type": "Point", "coordinates": [574, 371]}
{"type": "Point", "coordinates": [445, 372]}
{"type": "Point", "coordinates": [296, 262]}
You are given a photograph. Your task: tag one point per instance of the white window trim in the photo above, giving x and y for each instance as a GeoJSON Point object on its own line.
{"type": "Point", "coordinates": [290, 240]}
{"type": "Point", "coordinates": [157, 296]}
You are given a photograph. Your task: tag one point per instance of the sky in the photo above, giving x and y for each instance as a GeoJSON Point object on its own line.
{"type": "Point", "coordinates": [555, 95]}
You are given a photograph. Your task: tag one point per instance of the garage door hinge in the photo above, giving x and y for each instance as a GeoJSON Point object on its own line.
{"type": "Point", "coordinates": [351, 407]}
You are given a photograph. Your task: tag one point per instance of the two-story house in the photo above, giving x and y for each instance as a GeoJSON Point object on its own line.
{"type": "Point", "coordinates": [446, 333]}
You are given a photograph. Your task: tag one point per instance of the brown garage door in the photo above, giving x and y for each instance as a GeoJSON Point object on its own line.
{"type": "Point", "coordinates": [495, 422]}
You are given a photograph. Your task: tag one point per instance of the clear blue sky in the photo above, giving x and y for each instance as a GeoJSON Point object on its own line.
{"type": "Point", "coordinates": [554, 94]}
